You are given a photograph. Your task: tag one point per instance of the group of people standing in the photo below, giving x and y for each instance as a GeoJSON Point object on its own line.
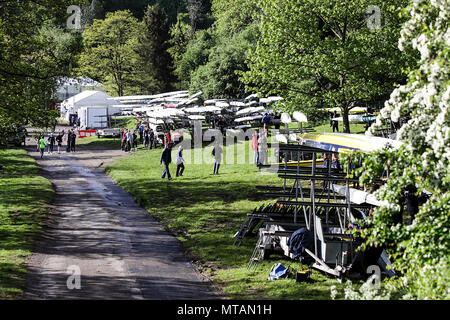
{"type": "Point", "coordinates": [259, 147]}
{"type": "Point", "coordinates": [54, 140]}
{"type": "Point", "coordinates": [129, 139]}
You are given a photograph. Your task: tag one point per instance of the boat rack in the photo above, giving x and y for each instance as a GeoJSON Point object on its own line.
{"type": "Point", "coordinates": [306, 199]}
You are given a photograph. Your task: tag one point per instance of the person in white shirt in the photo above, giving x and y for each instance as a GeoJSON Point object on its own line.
{"type": "Point", "coordinates": [217, 153]}
{"type": "Point", "coordinates": [180, 162]}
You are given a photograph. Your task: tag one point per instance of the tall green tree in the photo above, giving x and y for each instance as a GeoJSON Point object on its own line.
{"type": "Point", "coordinates": [35, 50]}
{"type": "Point", "coordinates": [334, 53]}
{"type": "Point", "coordinates": [422, 248]}
{"type": "Point", "coordinates": [155, 62]}
{"type": "Point", "coordinates": [92, 11]}
{"type": "Point", "coordinates": [219, 77]}
{"type": "Point", "coordinates": [214, 57]}
{"type": "Point", "coordinates": [181, 34]}
{"type": "Point", "coordinates": [199, 14]}
{"type": "Point", "coordinates": [234, 16]}
{"type": "Point", "coordinates": [196, 55]}
{"type": "Point", "coordinates": [109, 56]}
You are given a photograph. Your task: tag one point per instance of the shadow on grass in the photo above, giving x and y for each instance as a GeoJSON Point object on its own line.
{"type": "Point", "coordinates": [23, 199]}
{"type": "Point", "coordinates": [12, 281]}
{"type": "Point", "coordinates": [205, 211]}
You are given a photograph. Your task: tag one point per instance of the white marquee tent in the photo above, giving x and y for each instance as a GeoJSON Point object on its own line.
{"type": "Point", "coordinates": [86, 99]}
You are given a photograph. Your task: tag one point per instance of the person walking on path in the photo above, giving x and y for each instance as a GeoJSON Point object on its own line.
{"type": "Point", "coordinates": [69, 140]}
{"type": "Point", "coordinates": [42, 146]}
{"type": "Point", "coordinates": [59, 139]}
{"type": "Point", "coordinates": [72, 143]}
{"type": "Point", "coordinates": [166, 158]}
{"type": "Point", "coordinates": [179, 161]}
{"type": "Point", "coordinates": [217, 153]}
{"type": "Point", "coordinates": [51, 141]}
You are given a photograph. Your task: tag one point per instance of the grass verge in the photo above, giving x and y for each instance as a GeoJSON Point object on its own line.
{"type": "Point", "coordinates": [24, 196]}
{"type": "Point", "coordinates": [205, 211]}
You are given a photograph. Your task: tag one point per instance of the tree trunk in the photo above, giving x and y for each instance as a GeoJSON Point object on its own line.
{"type": "Point", "coordinates": [346, 123]}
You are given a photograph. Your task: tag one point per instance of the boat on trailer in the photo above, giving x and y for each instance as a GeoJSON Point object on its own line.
{"type": "Point", "coordinates": [324, 201]}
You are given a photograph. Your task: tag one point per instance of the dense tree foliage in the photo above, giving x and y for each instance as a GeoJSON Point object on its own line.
{"type": "Point", "coordinates": [422, 248]}
{"type": "Point", "coordinates": [219, 77]}
{"type": "Point", "coordinates": [35, 50]}
{"type": "Point", "coordinates": [425, 156]}
{"type": "Point", "coordinates": [180, 35]}
{"type": "Point", "coordinates": [326, 53]}
{"type": "Point", "coordinates": [214, 57]}
{"type": "Point", "coordinates": [199, 14]}
{"type": "Point", "coordinates": [138, 7]}
{"type": "Point", "coordinates": [234, 16]}
{"type": "Point", "coordinates": [109, 56]}
{"type": "Point", "coordinates": [196, 55]}
{"type": "Point", "coordinates": [155, 63]}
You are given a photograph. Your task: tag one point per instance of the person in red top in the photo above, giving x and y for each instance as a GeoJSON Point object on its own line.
{"type": "Point", "coordinates": [124, 139]}
{"type": "Point", "coordinates": [167, 139]}
{"type": "Point", "coordinates": [255, 147]}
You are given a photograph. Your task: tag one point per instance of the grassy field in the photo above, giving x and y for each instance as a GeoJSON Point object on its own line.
{"type": "Point", "coordinates": [355, 128]}
{"type": "Point", "coordinates": [24, 196]}
{"type": "Point", "coordinates": [204, 211]}
{"type": "Point", "coordinates": [98, 142]}
{"type": "Point", "coordinates": [129, 123]}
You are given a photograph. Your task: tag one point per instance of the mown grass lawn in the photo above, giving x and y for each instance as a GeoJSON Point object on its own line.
{"type": "Point", "coordinates": [94, 141]}
{"type": "Point", "coordinates": [355, 128]}
{"type": "Point", "coordinates": [24, 196]}
{"type": "Point", "coordinates": [205, 211]}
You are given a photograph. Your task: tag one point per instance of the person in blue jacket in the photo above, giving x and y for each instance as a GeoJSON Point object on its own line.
{"type": "Point", "coordinates": [141, 133]}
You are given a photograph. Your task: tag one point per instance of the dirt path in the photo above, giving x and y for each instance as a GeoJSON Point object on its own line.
{"type": "Point", "coordinates": [120, 250]}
